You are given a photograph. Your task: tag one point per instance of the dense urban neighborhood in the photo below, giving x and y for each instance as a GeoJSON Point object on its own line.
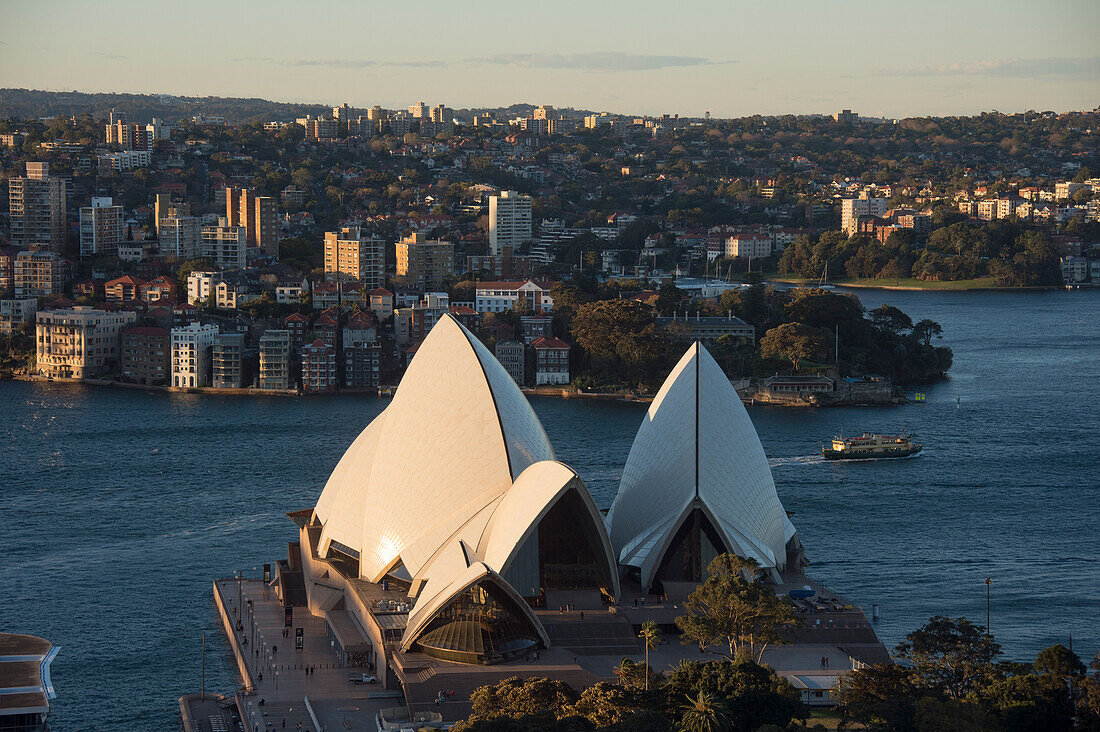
{"type": "Point", "coordinates": [285, 249]}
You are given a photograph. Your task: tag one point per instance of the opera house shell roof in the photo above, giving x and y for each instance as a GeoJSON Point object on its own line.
{"type": "Point", "coordinates": [455, 490]}
{"type": "Point", "coordinates": [697, 476]}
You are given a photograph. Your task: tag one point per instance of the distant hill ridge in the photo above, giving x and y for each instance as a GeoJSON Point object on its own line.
{"type": "Point", "coordinates": [35, 104]}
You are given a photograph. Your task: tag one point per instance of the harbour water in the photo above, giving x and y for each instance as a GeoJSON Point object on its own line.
{"type": "Point", "coordinates": [120, 507]}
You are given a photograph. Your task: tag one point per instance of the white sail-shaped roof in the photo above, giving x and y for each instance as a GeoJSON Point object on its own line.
{"type": "Point", "coordinates": [454, 438]}
{"type": "Point", "coordinates": [697, 447]}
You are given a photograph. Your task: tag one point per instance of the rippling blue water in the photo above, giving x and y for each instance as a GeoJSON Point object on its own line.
{"type": "Point", "coordinates": [120, 507]}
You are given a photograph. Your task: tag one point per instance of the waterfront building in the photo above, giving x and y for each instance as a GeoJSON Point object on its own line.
{"type": "Point", "coordinates": [509, 221]}
{"type": "Point", "coordinates": [79, 342]}
{"type": "Point", "coordinates": [551, 361]}
{"type": "Point", "coordinates": [227, 361]}
{"type": "Point", "coordinates": [36, 208]}
{"type": "Point", "coordinates": [425, 264]}
{"type": "Point", "coordinates": [512, 356]}
{"type": "Point", "coordinates": [697, 484]}
{"type": "Point", "coordinates": [275, 353]}
{"type": "Point", "coordinates": [225, 245]}
{"type": "Point", "coordinates": [449, 541]}
{"type": "Point", "coordinates": [351, 254]}
{"type": "Point", "coordinates": [498, 297]}
{"type": "Point", "coordinates": [706, 329]}
{"type": "Point", "coordinates": [318, 367]}
{"type": "Point", "coordinates": [26, 688]}
{"type": "Point", "coordinates": [257, 215]}
{"type": "Point", "coordinates": [748, 246]}
{"type": "Point", "coordinates": [191, 354]}
{"type": "Point", "coordinates": [16, 313]}
{"type": "Point", "coordinates": [101, 229]}
{"type": "Point", "coordinates": [146, 355]}
{"type": "Point", "coordinates": [362, 365]}
{"type": "Point", "coordinates": [201, 284]}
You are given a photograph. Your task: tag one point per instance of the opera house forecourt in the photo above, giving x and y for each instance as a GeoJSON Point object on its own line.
{"type": "Point", "coordinates": [450, 548]}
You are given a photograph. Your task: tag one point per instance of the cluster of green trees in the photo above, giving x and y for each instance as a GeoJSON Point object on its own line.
{"type": "Point", "coordinates": [947, 676]}
{"type": "Point", "coordinates": [620, 346]}
{"type": "Point", "coordinates": [1015, 254]}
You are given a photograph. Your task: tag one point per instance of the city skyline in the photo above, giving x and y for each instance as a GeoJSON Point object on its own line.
{"type": "Point", "coordinates": [957, 58]}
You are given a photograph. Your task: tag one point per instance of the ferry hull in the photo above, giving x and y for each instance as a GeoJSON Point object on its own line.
{"type": "Point", "coordinates": [870, 454]}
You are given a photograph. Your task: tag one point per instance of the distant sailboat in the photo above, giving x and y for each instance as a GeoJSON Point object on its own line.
{"type": "Point", "coordinates": [823, 282]}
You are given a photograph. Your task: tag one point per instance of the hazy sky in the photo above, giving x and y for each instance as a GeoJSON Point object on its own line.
{"type": "Point", "coordinates": [733, 58]}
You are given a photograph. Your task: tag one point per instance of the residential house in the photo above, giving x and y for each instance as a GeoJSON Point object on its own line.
{"type": "Point", "coordinates": [318, 367]}
{"type": "Point", "coordinates": [551, 361]}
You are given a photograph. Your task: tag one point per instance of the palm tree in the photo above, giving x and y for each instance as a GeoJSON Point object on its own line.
{"type": "Point", "coordinates": [704, 713]}
{"type": "Point", "coordinates": [625, 672]}
{"type": "Point", "coordinates": [650, 635]}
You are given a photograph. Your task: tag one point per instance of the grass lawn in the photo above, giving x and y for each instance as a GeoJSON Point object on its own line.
{"type": "Point", "coordinates": [829, 719]}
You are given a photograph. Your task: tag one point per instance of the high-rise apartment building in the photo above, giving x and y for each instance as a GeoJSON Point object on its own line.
{"type": "Point", "coordinates": [509, 221]}
{"type": "Point", "coordinates": [543, 112]}
{"type": "Point", "coordinates": [101, 228]}
{"type": "Point", "coordinates": [351, 254]}
{"type": "Point", "coordinates": [180, 236]}
{"type": "Point", "coordinates": [225, 245]}
{"type": "Point", "coordinates": [36, 205]}
{"type": "Point", "coordinates": [425, 264]}
{"type": "Point", "coordinates": [852, 208]}
{"type": "Point", "coordinates": [418, 110]}
{"type": "Point", "coordinates": [274, 360]}
{"type": "Point", "coordinates": [191, 354]}
{"type": "Point", "coordinates": [146, 355]}
{"type": "Point", "coordinates": [227, 361]}
{"type": "Point", "coordinates": [441, 114]}
{"type": "Point", "coordinates": [79, 342]}
{"type": "Point", "coordinates": [259, 215]}
{"type": "Point", "coordinates": [318, 367]}
{"type": "Point", "coordinates": [131, 137]}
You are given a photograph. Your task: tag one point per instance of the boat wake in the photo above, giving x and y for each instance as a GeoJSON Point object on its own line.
{"type": "Point", "coordinates": [795, 460]}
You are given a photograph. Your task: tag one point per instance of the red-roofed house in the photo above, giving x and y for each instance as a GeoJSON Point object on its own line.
{"type": "Point", "coordinates": [551, 361]}
{"type": "Point", "coordinates": [466, 315]}
{"type": "Point", "coordinates": [122, 289]}
{"type": "Point", "coordinates": [297, 324]}
{"type": "Point", "coordinates": [160, 288]}
{"type": "Point", "coordinates": [381, 303]}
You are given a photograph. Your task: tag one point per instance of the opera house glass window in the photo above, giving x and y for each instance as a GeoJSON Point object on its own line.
{"type": "Point", "coordinates": [481, 625]}
{"type": "Point", "coordinates": [691, 551]}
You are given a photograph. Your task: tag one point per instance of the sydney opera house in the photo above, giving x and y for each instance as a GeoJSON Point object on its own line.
{"type": "Point", "coordinates": [451, 543]}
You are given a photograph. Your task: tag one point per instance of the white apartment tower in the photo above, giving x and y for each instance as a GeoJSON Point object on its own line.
{"type": "Point", "coordinates": [224, 245]}
{"type": "Point", "coordinates": [509, 221]}
{"type": "Point", "coordinates": [191, 354]}
{"type": "Point", "coordinates": [101, 228]}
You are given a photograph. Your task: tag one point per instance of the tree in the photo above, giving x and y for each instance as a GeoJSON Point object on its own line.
{"type": "Point", "coordinates": [651, 636]}
{"type": "Point", "coordinates": [739, 617]}
{"type": "Point", "coordinates": [926, 329]}
{"type": "Point", "coordinates": [621, 341]}
{"type": "Point", "coordinates": [1060, 662]}
{"type": "Point", "coordinates": [950, 656]}
{"type": "Point", "coordinates": [704, 713]}
{"type": "Point", "coordinates": [754, 695]}
{"type": "Point", "coordinates": [880, 694]}
{"type": "Point", "coordinates": [888, 317]}
{"type": "Point", "coordinates": [534, 699]}
{"type": "Point", "coordinates": [795, 342]}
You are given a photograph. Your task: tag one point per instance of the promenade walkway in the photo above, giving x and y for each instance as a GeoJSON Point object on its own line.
{"type": "Point", "coordinates": [278, 689]}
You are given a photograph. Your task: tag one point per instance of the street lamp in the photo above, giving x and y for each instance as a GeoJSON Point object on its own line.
{"type": "Point", "coordinates": [988, 582]}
